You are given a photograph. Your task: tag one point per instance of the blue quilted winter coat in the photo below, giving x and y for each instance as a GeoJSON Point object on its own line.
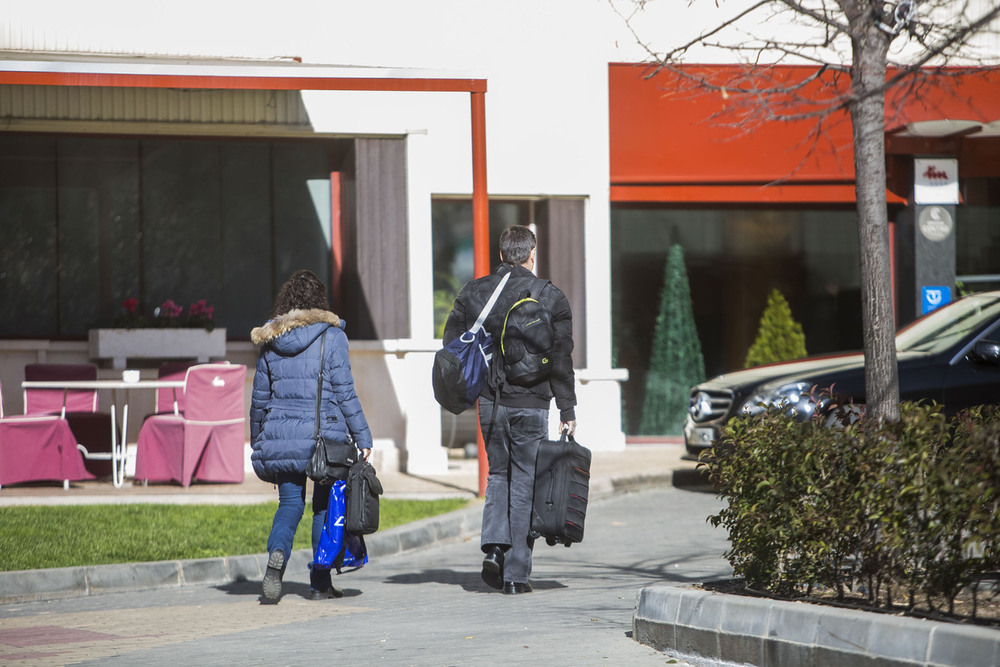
{"type": "Point", "coordinates": [283, 402]}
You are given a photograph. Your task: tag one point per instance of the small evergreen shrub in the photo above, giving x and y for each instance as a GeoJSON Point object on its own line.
{"type": "Point", "coordinates": [779, 337]}
{"type": "Point", "coordinates": [676, 363]}
{"type": "Point", "coordinates": [903, 511]}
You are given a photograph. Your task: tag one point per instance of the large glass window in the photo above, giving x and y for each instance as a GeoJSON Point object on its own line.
{"type": "Point", "coordinates": [453, 257]}
{"type": "Point", "coordinates": [977, 235]}
{"type": "Point", "coordinates": [734, 258]}
{"type": "Point", "coordinates": [92, 221]}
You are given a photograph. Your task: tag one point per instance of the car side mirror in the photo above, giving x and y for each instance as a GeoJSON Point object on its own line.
{"type": "Point", "coordinates": [986, 352]}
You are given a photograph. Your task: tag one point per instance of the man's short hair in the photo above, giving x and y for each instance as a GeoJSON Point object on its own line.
{"type": "Point", "coordinates": [516, 244]}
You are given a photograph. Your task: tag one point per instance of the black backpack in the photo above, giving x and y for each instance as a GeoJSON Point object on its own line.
{"type": "Point", "coordinates": [526, 338]}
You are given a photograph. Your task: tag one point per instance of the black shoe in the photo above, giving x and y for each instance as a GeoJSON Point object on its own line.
{"type": "Point", "coordinates": [516, 587]}
{"type": "Point", "coordinates": [493, 568]}
{"type": "Point", "coordinates": [272, 577]}
{"type": "Point", "coordinates": [332, 592]}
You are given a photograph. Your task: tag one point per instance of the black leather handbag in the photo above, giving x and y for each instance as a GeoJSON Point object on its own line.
{"type": "Point", "coordinates": [331, 460]}
{"type": "Point", "coordinates": [363, 490]}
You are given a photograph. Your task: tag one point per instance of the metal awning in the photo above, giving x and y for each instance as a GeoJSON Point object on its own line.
{"type": "Point", "coordinates": [285, 74]}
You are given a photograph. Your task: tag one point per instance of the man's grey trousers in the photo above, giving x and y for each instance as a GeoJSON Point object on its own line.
{"type": "Point", "coordinates": [507, 512]}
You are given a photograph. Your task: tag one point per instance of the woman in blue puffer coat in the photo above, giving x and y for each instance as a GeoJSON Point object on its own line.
{"type": "Point", "coordinates": [283, 415]}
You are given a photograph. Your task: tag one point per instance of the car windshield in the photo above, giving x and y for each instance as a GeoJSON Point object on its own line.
{"type": "Point", "coordinates": [946, 327]}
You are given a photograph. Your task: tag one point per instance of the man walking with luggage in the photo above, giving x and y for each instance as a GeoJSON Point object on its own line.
{"type": "Point", "coordinates": [521, 420]}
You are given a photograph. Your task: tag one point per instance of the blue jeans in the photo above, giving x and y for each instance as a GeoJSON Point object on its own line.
{"type": "Point", "coordinates": [507, 512]}
{"type": "Point", "coordinates": [291, 505]}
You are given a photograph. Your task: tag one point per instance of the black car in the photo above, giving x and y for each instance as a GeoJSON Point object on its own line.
{"type": "Point", "coordinates": [951, 356]}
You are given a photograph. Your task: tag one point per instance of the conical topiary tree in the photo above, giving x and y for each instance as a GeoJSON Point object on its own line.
{"type": "Point", "coordinates": [675, 363]}
{"type": "Point", "coordinates": [779, 337]}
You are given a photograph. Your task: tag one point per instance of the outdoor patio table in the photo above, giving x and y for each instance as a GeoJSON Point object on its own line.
{"type": "Point", "coordinates": [117, 443]}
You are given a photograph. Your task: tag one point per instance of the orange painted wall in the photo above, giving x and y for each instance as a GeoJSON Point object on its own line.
{"type": "Point", "coordinates": [673, 144]}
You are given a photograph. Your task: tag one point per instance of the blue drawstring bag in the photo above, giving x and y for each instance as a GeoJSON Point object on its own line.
{"type": "Point", "coordinates": [337, 547]}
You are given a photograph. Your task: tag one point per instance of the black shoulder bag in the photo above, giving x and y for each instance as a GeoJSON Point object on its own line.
{"type": "Point", "coordinates": [330, 460]}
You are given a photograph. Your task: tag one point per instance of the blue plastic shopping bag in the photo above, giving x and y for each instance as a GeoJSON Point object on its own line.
{"type": "Point", "coordinates": [337, 547]}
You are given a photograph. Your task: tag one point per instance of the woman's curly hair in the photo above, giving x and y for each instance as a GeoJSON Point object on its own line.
{"type": "Point", "coordinates": [304, 290]}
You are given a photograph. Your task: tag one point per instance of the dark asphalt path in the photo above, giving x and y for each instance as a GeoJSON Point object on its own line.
{"type": "Point", "coordinates": [427, 607]}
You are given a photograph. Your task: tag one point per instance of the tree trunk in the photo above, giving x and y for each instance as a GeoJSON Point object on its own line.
{"type": "Point", "coordinates": [868, 73]}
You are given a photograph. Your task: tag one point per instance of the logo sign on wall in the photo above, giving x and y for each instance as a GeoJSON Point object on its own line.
{"type": "Point", "coordinates": [935, 181]}
{"type": "Point", "coordinates": [935, 223]}
{"type": "Point", "coordinates": [933, 297]}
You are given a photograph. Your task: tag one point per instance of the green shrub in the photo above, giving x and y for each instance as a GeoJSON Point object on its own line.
{"type": "Point", "coordinates": [779, 337]}
{"type": "Point", "coordinates": [676, 363]}
{"type": "Point", "coordinates": [902, 511]}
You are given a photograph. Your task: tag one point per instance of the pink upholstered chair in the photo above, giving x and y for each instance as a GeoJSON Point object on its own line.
{"type": "Point", "coordinates": [38, 448]}
{"type": "Point", "coordinates": [93, 430]}
{"type": "Point", "coordinates": [171, 399]}
{"type": "Point", "coordinates": [59, 401]}
{"type": "Point", "coordinates": [207, 442]}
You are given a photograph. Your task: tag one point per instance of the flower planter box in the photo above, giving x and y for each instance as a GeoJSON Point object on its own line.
{"type": "Point", "coordinates": [119, 345]}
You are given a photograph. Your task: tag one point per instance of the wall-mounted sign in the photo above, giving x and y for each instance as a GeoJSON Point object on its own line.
{"type": "Point", "coordinates": [935, 223]}
{"type": "Point", "coordinates": [935, 181]}
{"type": "Point", "coordinates": [933, 297]}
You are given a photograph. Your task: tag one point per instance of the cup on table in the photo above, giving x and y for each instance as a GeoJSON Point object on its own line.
{"type": "Point", "coordinates": [130, 375]}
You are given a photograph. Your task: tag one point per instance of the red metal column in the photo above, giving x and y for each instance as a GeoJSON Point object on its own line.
{"type": "Point", "coordinates": [480, 231]}
{"type": "Point", "coordinates": [336, 243]}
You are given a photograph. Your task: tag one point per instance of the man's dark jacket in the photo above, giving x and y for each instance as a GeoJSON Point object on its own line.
{"type": "Point", "coordinates": [560, 382]}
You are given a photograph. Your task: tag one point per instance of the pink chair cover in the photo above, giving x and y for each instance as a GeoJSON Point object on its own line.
{"type": "Point", "coordinates": [91, 428]}
{"type": "Point", "coordinates": [50, 401]}
{"type": "Point", "coordinates": [159, 449]}
{"type": "Point", "coordinates": [166, 396]}
{"type": "Point", "coordinates": [38, 448]}
{"type": "Point", "coordinates": [207, 443]}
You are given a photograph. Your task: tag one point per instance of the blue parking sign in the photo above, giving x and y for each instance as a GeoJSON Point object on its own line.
{"type": "Point", "coordinates": [933, 297]}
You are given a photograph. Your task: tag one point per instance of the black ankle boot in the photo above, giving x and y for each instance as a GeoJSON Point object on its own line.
{"type": "Point", "coordinates": [272, 577]}
{"type": "Point", "coordinates": [321, 585]}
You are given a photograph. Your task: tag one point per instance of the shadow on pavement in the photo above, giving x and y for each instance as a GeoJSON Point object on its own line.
{"type": "Point", "coordinates": [470, 582]}
{"type": "Point", "coordinates": [288, 589]}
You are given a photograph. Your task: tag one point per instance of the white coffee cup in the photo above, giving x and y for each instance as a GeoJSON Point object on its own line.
{"type": "Point", "coordinates": [130, 375]}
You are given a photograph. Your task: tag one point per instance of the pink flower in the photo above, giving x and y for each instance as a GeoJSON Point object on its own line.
{"type": "Point", "coordinates": [170, 309]}
{"type": "Point", "coordinates": [130, 305]}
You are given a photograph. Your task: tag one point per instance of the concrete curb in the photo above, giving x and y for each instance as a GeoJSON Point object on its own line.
{"type": "Point", "coordinates": [709, 628]}
{"type": "Point", "coordinates": [55, 583]}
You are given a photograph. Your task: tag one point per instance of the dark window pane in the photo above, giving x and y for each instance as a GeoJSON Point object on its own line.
{"type": "Point", "coordinates": [248, 290]}
{"type": "Point", "coordinates": [98, 230]}
{"type": "Point", "coordinates": [301, 175]}
{"type": "Point", "coordinates": [28, 255]}
{"type": "Point", "coordinates": [451, 223]}
{"type": "Point", "coordinates": [977, 247]}
{"type": "Point", "coordinates": [181, 222]}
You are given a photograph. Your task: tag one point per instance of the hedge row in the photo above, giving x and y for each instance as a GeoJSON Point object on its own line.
{"type": "Point", "coordinates": [904, 510]}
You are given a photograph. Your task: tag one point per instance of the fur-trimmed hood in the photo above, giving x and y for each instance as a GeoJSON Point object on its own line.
{"type": "Point", "coordinates": [293, 322]}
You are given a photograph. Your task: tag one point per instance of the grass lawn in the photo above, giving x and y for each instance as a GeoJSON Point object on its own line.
{"type": "Point", "coordinates": [62, 536]}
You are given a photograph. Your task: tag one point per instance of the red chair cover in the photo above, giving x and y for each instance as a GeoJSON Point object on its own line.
{"type": "Point", "coordinates": [50, 401]}
{"type": "Point", "coordinates": [207, 443]}
{"type": "Point", "coordinates": [166, 397]}
{"type": "Point", "coordinates": [91, 428]}
{"type": "Point", "coordinates": [38, 448]}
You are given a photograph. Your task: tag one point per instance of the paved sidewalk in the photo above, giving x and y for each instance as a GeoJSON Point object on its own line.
{"type": "Point", "coordinates": [639, 464]}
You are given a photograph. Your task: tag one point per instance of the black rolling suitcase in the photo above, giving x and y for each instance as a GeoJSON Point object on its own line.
{"type": "Point", "coordinates": [562, 485]}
